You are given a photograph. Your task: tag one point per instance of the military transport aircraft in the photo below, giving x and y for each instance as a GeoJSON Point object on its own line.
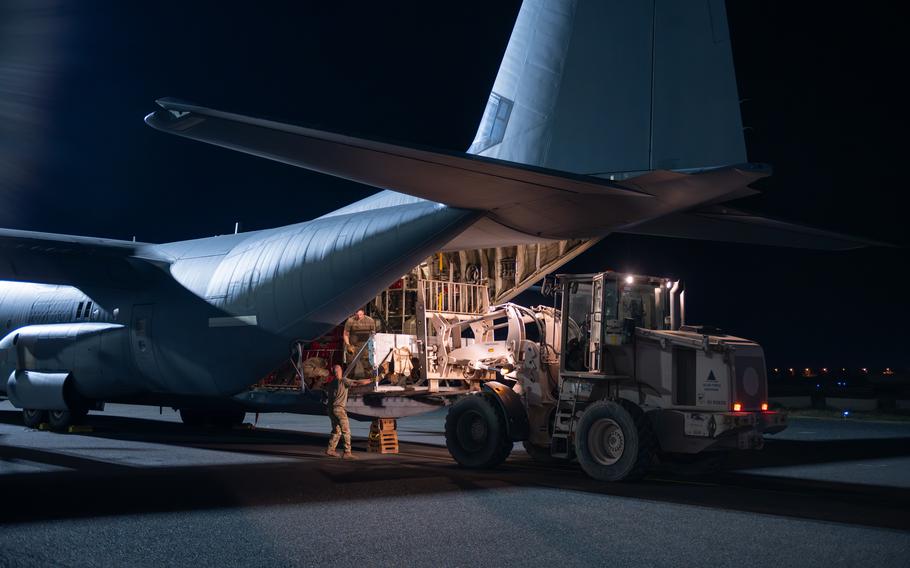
{"type": "Point", "coordinates": [605, 117]}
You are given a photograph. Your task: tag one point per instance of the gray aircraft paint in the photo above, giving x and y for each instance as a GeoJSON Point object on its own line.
{"type": "Point", "coordinates": [617, 88]}
{"type": "Point", "coordinates": [295, 282]}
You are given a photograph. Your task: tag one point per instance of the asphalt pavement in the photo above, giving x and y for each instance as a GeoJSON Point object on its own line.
{"type": "Point", "coordinates": [143, 490]}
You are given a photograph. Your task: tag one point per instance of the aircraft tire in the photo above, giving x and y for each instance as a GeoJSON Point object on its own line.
{"type": "Point", "coordinates": [60, 420]}
{"type": "Point", "coordinates": [33, 417]}
{"type": "Point", "coordinates": [476, 433]}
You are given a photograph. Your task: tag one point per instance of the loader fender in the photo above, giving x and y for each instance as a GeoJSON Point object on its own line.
{"type": "Point", "coordinates": [512, 409]}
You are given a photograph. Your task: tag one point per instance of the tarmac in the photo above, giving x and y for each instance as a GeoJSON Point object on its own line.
{"type": "Point", "coordinates": [141, 489]}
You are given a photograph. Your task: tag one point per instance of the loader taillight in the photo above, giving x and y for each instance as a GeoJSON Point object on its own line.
{"type": "Point", "coordinates": [737, 406]}
{"type": "Point", "coordinates": [764, 406]}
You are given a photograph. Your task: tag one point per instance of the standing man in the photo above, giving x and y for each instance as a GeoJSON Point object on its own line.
{"type": "Point", "coordinates": [357, 331]}
{"type": "Point", "coordinates": [337, 390]}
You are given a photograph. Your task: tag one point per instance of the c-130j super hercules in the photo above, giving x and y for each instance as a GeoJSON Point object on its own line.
{"type": "Point", "coordinates": [586, 133]}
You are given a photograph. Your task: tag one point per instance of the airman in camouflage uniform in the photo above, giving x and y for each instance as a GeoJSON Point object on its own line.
{"type": "Point", "coordinates": [337, 391]}
{"type": "Point", "coordinates": [357, 331]}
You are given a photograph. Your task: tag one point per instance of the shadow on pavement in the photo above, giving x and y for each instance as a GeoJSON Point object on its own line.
{"type": "Point", "coordinates": [97, 488]}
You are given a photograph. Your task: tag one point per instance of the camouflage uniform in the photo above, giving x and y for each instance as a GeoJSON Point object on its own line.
{"type": "Point", "coordinates": [338, 398]}
{"type": "Point", "coordinates": [359, 331]}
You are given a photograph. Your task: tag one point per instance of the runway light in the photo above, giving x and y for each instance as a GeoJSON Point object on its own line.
{"type": "Point", "coordinates": [764, 406]}
{"type": "Point", "coordinates": [865, 370]}
{"type": "Point", "coordinates": [737, 407]}
{"type": "Point", "coordinates": [630, 280]}
{"type": "Point", "coordinates": [845, 413]}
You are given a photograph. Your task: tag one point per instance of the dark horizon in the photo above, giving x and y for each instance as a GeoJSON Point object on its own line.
{"type": "Point", "coordinates": [818, 105]}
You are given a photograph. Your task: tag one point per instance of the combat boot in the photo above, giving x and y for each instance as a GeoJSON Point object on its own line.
{"type": "Point", "coordinates": [331, 453]}
{"type": "Point", "coordinates": [348, 455]}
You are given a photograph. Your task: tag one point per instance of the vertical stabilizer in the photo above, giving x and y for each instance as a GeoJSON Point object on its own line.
{"type": "Point", "coordinates": [615, 87]}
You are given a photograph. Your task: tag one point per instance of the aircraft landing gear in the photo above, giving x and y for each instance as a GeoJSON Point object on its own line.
{"type": "Point", "coordinates": [59, 420]}
{"type": "Point", "coordinates": [33, 417]}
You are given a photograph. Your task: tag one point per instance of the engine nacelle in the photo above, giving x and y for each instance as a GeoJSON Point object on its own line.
{"type": "Point", "coordinates": [51, 365]}
{"type": "Point", "coordinates": [43, 391]}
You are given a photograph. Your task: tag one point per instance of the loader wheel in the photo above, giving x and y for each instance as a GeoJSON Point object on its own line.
{"type": "Point", "coordinates": [33, 417]}
{"type": "Point", "coordinates": [612, 444]}
{"type": "Point", "coordinates": [476, 433]}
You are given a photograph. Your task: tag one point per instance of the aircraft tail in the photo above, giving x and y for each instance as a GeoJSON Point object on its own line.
{"type": "Point", "coordinates": [615, 89]}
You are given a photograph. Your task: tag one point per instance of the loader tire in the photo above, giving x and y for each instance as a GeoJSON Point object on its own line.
{"type": "Point", "coordinates": [614, 443]}
{"type": "Point", "coordinates": [476, 433]}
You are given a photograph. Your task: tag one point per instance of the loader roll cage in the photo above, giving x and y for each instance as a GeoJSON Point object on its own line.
{"type": "Point", "coordinates": [603, 309]}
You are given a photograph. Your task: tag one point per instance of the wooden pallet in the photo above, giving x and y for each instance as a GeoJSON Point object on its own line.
{"type": "Point", "coordinates": [383, 436]}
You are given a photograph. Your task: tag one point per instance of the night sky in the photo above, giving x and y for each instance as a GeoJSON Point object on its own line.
{"type": "Point", "coordinates": [822, 104]}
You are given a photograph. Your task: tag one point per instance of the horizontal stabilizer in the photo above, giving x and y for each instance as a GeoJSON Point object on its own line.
{"type": "Point", "coordinates": [725, 224]}
{"type": "Point", "coordinates": [535, 201]}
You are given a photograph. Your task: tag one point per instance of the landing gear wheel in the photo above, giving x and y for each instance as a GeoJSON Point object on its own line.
{"type": "Point", "coordinates": [476, 433]}
{"type": "Point", "coordinates": [60, 420]}
{"type": "Point", "coordinates": [612, 444]}
{"type": "Point", "coordinates": [32, 417]}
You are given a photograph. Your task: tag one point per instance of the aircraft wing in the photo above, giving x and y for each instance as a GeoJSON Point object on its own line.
{"type": "Point", "coordinates": [534, 201]}
{"type": "Point", "coordinates": [522, 203]}
{"type": "Point", "coordinates": [721, 223]}
{"type": "Point", "coordinates": [49, 258]}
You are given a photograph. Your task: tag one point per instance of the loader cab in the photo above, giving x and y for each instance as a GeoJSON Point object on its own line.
{"type": "Point", "coordinates": [603, 310]}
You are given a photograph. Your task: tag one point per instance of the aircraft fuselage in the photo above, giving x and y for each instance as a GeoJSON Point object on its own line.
{"type": "Point", "coordinates": [221, 312]}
